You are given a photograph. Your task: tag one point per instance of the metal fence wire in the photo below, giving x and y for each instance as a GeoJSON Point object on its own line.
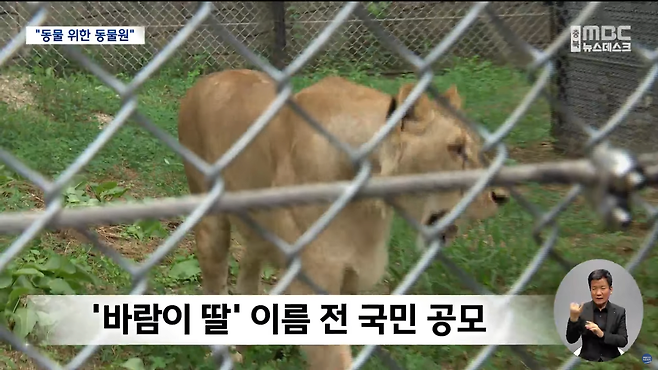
{"type": "Point", "coordinates": [614, 175]}
{"type": "Point", "coordinates": [279, 31]}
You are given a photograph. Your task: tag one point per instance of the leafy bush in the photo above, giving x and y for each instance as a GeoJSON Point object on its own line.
{"type": "Point", "coordinates": [38, 273]}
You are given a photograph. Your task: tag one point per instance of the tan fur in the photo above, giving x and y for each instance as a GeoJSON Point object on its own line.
{"type": "Point", "coordinates": [350, 255]}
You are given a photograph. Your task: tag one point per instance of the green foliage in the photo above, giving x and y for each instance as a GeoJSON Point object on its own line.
{"type": "Point", "coordinates": [76, 196]}
{"type": "Point", "coordinates": [134, 364]}
{"type": "Point", "coordinates": [92, 194]}
{"type": "Point", "coordinates": [378, 9]}
{"type": "Point", "coordinates": [145, 229]}
{"type": "Point", "coordinates": [7, 177]}
{"type": "Point", "coordinates": [37, 273]}
{"type": "Point", "coordinates": [185, 269]}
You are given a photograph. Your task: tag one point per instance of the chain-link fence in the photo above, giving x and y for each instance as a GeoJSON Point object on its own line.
{"type": "Point", "coordinates": [612, 176]}
{"type": "Point", "coordinates": [595, 85]}
{"type": "Point", "coordinates": [280, 31]}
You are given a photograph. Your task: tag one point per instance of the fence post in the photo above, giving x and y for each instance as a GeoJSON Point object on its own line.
{"type": "Point", "coordinates": [558, 24]}
{"type": "Point", "coordinates": [279, 56]}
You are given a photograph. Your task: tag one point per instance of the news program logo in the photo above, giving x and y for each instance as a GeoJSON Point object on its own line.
{"type": "Point", "coordinates": [596, 39]}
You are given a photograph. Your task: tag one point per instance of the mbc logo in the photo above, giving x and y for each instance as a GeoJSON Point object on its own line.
{"type": "Point", "coordinates": [605, 33]}
{"type": "Point", "coordinates": [600, 39]}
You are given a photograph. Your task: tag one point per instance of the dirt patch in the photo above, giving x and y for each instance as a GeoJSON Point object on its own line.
{"type": "Point", "coordinates": [24, 362]}
{"type": "Point", "coordinates": [137, 250]}
{"type": "Point", "coordinates": [19, 359]}
{"type": "Point", "coordinates": [650, 195]}
{"type": "Point", "coordinates": [541, 152]}
{"type": "Point", "coordinates": [115, 237]}
{"type": "Point", "coordinates": [33, 198]}
{"type": "Point", "coordinates": [13, 91]}
{"type": "Point", "coordinates": [103, 119]}
{"type": "Point", "coordinates": [627, 246]}
{"type": "Point", "coordinates": [130, 174]}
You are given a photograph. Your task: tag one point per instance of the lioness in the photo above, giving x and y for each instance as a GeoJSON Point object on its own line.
{"type": "Point", "coordinates": [350, 255]}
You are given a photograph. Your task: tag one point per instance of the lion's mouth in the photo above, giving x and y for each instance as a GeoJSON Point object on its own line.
{"type": "Point", "coordinates": [434, 217]}
{"type": "Point", "coordinates": [449, 232]}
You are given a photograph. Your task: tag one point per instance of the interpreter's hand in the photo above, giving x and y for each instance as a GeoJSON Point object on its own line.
{"type": "Point", "coordinates": [574, 311]}
{"type": "Point", "coordinates": [594, 328]}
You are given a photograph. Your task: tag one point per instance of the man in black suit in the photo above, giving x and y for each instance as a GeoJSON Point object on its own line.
{"type": "Point", "coordinates": [600, 323]}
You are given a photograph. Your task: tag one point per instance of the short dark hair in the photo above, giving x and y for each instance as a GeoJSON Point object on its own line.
{"type": "Point", "coordinates": [598, 275]}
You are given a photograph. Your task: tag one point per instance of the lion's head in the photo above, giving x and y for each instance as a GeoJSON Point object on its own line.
{"type": "Point", "coordinates": [430, 139]}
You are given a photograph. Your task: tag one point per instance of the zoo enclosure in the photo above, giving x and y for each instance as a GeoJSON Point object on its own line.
{"type": "Point", "coordinates": [279, 31]}
{"type": "Point", "coordinates": [594, 171]}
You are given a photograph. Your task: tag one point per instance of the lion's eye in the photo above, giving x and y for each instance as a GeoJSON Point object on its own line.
{"type": "Point", "coordinates": [459, 150]}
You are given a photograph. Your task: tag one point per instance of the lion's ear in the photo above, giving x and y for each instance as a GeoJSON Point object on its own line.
{"type": "Point", "coordinates": [416, 114]}
{"type": "Point", "coordinates": [453, 97]}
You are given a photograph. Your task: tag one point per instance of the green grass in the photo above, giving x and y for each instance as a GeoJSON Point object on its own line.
{"type": "Point", "coordinates": [49, 136]}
